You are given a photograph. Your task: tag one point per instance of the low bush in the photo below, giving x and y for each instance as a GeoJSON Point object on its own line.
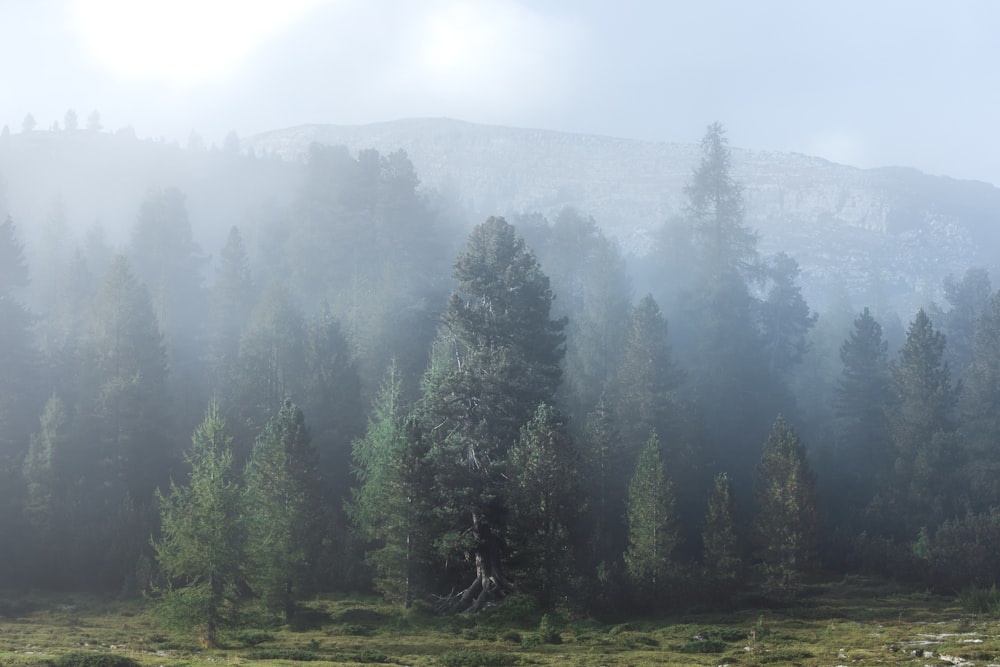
{"type": "Point", "coordinates": [89, 659]}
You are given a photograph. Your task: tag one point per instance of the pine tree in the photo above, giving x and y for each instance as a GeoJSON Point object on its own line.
{"type": "Point", "coordinates": [167, 259]}
{"type": "Point", "coordinates": [863, 397]}
{"type": "Point", "coordinates": [544, 501]}
{"type": "Point", "coordinates": [786, 319]}
{"type": "Point", "coordinates": [652, 522]}
{"type": "Point", "coordinates": [16, 348]}
{"type": "Point", "coordinates": [497, 360]}
{"type": "Point", "coordinates": [272, 362]}
{"type": "Point", "coordinates": [231, 300]}
{"type": "Point", "coordinates": [125, 377]}
{"type": "Point", "coordinates": [787, 523]}
{"type": "Point", "coordinates": [721, 557]}
{"type": "Point", "coordinates": [388, 503]}
{"type": "Point", "coordinates": [715, 204]}
{"type": "Point", "coordinates": [922, 428]}
{"type": "Point", "coordinates": [605, 475]}
{"type": "Point", "coordinates": [202, 545]}
{"type": "Point", "coordinates": [284, 510]}
{"type": "Point", "coordinates": [646, 380]}
{"type": "Point", "coordinates": [727, 357]}
{"type": "Point", "coordinates": [980, 412]}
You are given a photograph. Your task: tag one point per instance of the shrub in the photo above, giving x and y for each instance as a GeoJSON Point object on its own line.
{"type": "Point", "coordinates": [468, 658]}
{"type": "Point", "coordinates": [980, 600]}
{"type": "Point", "coordinates": [294, 654]}
{"type": "Point", "coordinates": [252, 637]}
{"type": "Point", "coordinates": [703, 646]}
{"type": "Point", "coordinates": [87, 659]}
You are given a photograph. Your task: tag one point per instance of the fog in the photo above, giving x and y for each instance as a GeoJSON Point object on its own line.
{"type": "Point", "coordinates": [899, 83]}
{"type": "Point", "coordinates": [479, 358]}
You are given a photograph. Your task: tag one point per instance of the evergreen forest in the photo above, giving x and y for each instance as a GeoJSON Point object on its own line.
{"type": "Point", "coordinates": [359, 389]}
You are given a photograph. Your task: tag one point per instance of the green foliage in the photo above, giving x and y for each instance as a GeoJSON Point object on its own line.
{"type": "Point", "coordinates": [652, 522]}
{"type": "Point", "coordinates": [862, 398]}
{"type": "Point", "coordinates": [543, 504]}
{"type": "Point", "coordinates": [252, 637]}
{"type": "Point", "coordinates": [89, 659]}
{"type": "Point", "coordinates": [283, 510]}
{"type": "Point", "coordinates": [721, 555]}
{"type": "Point", "coordinates": [787, 522]}
{"type": "Point", "coordinates": [980, 411]}
{"type": "Point", "coordinates": [271, 363]}
{"type": "Point", "coordinates": [922, 427]}
{"type": "Point", "coordinates": [169, 262]}
{"type": "Point", "coordinates": [497, 360]}
{"type": "Point", "coordinates": [201, 550]}
{"type": "Point", "coordinates": [386, 503]}
{"type": "Point", "coordinates": [980, 600]}
{"type": "Point", "coordinates": [722, 240]}
{"type": "Point", "coordinates": [473, 658]}
{"type": "Point", "coordinates": [293, 654]}
{"type": "Point", "coordinates": [646, 379]}
{"type": "Point", "coordinates": [124, 377]}
{"type": "Point", "coordinates": [701, 646]}
{"type": "Point", "coordinates": [785, 316]}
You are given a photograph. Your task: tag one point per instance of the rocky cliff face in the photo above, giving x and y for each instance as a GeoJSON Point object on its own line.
{"type": "Point", "coordinates": [880, 233]}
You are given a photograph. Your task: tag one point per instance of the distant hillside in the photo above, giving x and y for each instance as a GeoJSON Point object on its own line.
{"type": "Point", "coordinates": [891, 232]}
{"type": "Point", "coordinates": [100, 176]}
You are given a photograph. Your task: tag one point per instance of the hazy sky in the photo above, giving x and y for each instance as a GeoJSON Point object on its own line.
{"type": "Point", "coordinates": [866, 82]}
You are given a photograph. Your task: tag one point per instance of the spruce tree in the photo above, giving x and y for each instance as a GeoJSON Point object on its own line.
{"type": "Point", "coordinates": [284, 511]}
{"type": "Point", "coordinates": [722, 557]}
{"type": "Point", "coordinates": [544, 502]}
{"type": "Point", "coordinates": [787, 523]}
{"type": "Point", "coordinates": [652, 522]}
{"type": "Point", "coordinates": [922, 428]}
{"type": "Point", "coordinates": [497, 359]}
{"type": "Point", "coordinates": [980, 412]}
{"type": "Point", "coordinates": [388, 504]}
{"type": "Point", "coordinates": [646, 379]}
{"type": "Point", "coordinates": [202, 548]}
{"type": "Point", "coordinates": [862, 399]}
{"type": "Point", "coordinates": [125, 374]}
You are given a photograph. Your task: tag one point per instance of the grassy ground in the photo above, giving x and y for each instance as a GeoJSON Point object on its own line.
{"type": "Point", "coordinates": [852, 622]}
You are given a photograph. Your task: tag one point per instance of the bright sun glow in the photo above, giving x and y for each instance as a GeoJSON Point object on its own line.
{"type": "Point", "coordinates": [181, 41]}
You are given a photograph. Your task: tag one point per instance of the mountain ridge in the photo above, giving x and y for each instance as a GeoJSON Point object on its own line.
{"type": "Point", "coordinates": [889, 229]}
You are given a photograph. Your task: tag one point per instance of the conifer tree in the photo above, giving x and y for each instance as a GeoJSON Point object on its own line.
{"type": "Point", "coordinates": [388, 503]}
{"type": "Point", "coordinates": [785, 317]}
{"type": "Point", "coordinates": [231, 300]}
{"type": "Point", "coordinates": [980, 412]}
{"type": "Point", "coordinates": [497, 360]}
{"type": "Point", "coordinates": [863, 397]}
{"type": "Point", "coordinates": [605, 476]}
{"type": "Point", "coordinates": [721, 557]}
{"type": "Point", "coordinates": [647, 379]}
{"type": "Point", "coordinates": [125, 376]}
{"type": "Point", "coordinates": [652, 521]}
{"type": "Point", "coordinates": [787, 523]}
{"type": "Point", "coordinates": [284, 513]}
{"type": "Point", "coordinates": [202, 545]}
{"type": "Point", "coordinates": [16, 349]}
{"type": "Point", "coordinates": [543, 504]}
{"type": "Point", "coordinates": [922, 427]}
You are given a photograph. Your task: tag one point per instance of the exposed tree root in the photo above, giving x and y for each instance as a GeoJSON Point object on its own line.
{"type": "Point", "coordinates": [489, 586]}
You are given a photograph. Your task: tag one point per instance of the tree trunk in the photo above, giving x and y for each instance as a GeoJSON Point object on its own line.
{"type": "Point", "coordinates": [489, 584]}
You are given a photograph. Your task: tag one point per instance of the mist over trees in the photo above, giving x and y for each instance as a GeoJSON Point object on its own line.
{"type": "Point", "coordinates": [336, 387]}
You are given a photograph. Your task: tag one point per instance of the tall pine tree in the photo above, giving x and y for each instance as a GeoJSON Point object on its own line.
{"type": "Point", "coordinates": [202, 548]}
{"type": "Point", "coordinates": [497, 359]}
{"type": "Point", "coordinates": [787, 524]}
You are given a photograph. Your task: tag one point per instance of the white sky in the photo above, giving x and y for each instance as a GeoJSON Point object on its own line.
{"type": "Point", "coordinates": [893, 82]}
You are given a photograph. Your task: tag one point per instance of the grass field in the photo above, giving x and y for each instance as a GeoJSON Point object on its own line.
{"type": "Point", "coordinates": [850, 622]}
